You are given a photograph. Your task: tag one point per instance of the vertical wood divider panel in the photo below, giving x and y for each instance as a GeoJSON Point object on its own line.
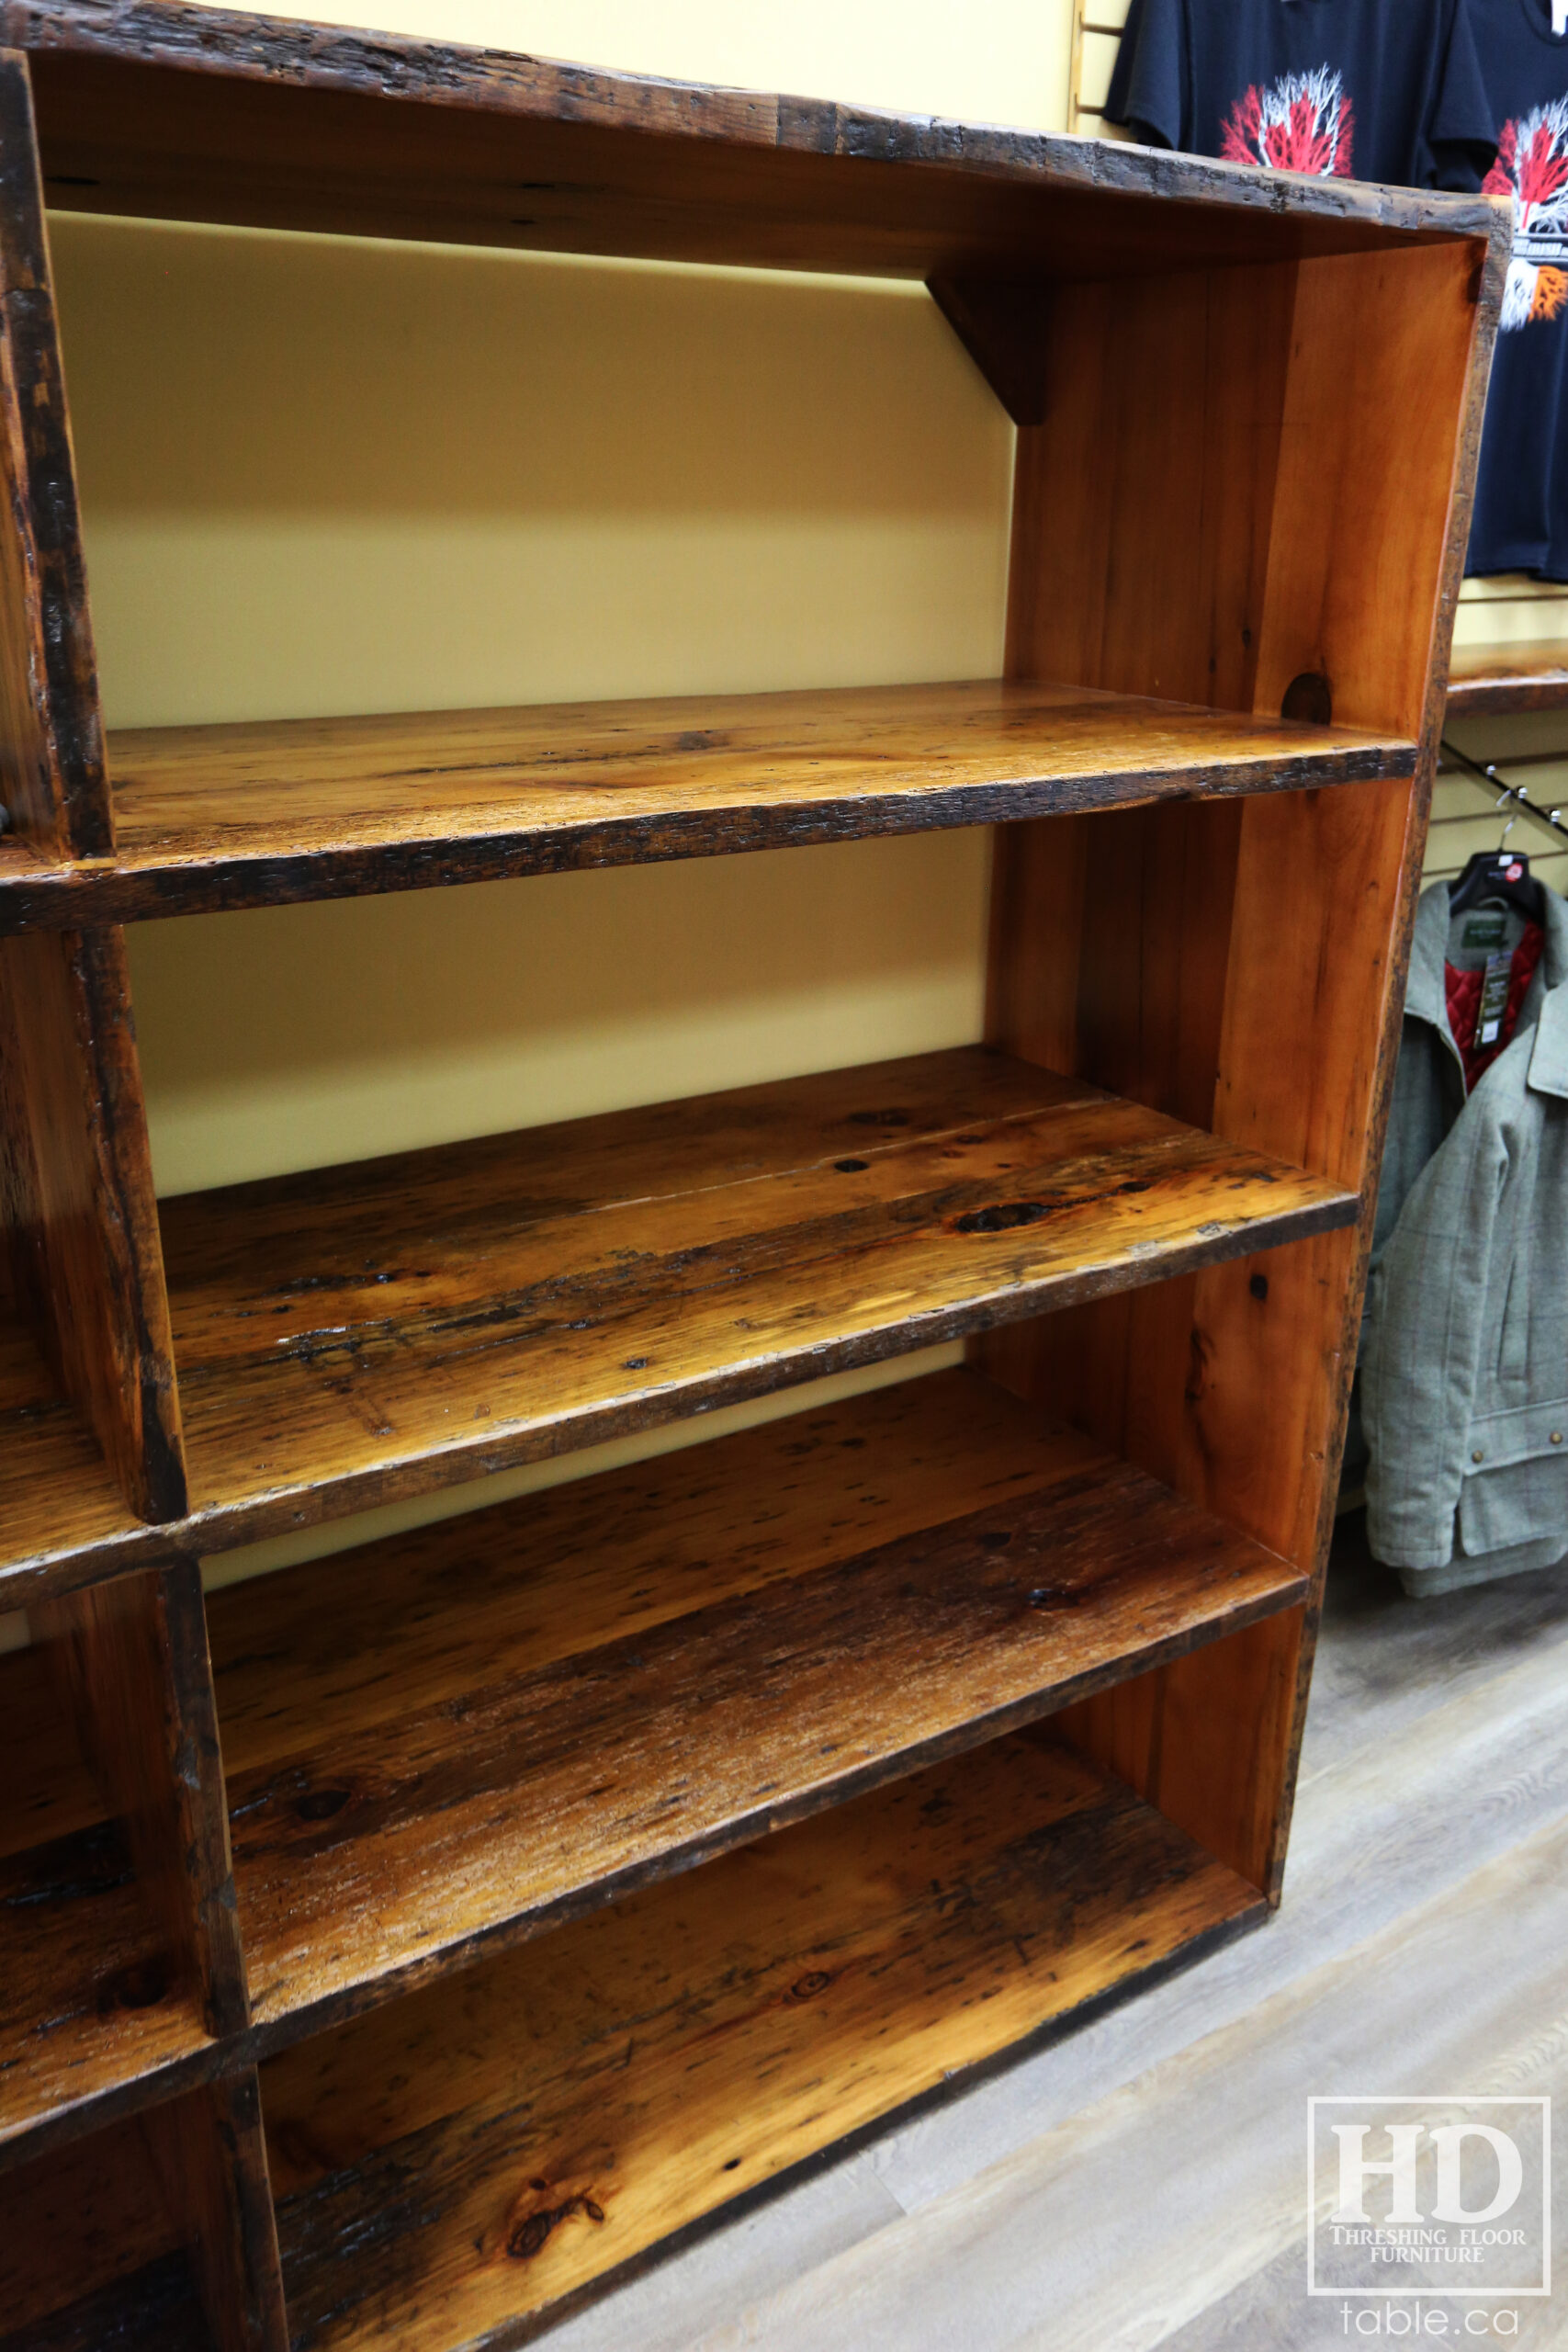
{"type": "Point", "coordinates": [52, 774]}
{"type": "Point", "coordinates": [74, 1168]}
{"type": "Point", "coordinates": [82, 1221]}
{"type": "Point", "coordinates": [1240, 967]}
{"type": "Point", "coordinates": [210, 2156]}
{"type": "Point", "coordinates": [132, 1657]}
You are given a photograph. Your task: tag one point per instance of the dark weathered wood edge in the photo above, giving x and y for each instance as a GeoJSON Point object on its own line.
{"type": "Point", "coordinates": [199, 40]}
{"type": "Point", "coordinates": [61, 656]}
{"type": "Point", "coordinates": [285, 1510]}
{"type": "Point", "coordinates": [1504, 694]}
{"type": "Point", "coordinates": [39, 2135]}
{"type": "Point", "coordinates": [1204, 1944]}
{"type": "Point", "coordinates": [276, 2032]}
{"type": "Point", "coordinates": [130, 891]}
{"type": "Point", "coordinates": [232, 2054]}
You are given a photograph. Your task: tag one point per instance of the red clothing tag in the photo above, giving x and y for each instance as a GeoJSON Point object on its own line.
{"type": "Point", "coordinates": [1463, 992]}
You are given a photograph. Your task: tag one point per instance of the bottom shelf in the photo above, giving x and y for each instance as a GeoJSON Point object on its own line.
{"type": "Point", "coordinates": [466, 2159]}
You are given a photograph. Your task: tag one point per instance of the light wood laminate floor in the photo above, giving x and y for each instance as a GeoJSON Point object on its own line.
{"type": "Point", "coordinates": [1140, 2184]}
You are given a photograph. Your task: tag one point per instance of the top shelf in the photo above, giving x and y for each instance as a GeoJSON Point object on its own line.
{"type": "Point", "coordinates": [1499, 681]}
{"type": "Point", "coordinates": [241, 816]}
{"type": "Point", "coordinates": [179, 112]}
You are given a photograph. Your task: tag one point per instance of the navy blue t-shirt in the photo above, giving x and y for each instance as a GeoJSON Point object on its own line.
{"type": "Point", "coordinates": [1358, 89]}
{"type": "Point", "coordinates": [1521, 491]}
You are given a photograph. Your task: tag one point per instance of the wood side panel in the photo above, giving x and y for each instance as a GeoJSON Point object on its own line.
{"type": "Point", "coordinates": [1230, 1385]}
{"type": "Point", "coordinates": [210, 2155]}
{"type": "Point", "coordinates": [76, 1175]}
{"type": "Point", "coordinates": [132, 1658]}
{"type": "Point", "coordinates": [1372, 461]}
{"type": "Point", "coordinates": [52, 776]}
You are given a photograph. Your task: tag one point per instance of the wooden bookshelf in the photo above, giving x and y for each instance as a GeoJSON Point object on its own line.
{"type": "Point", "coordinates": [850, 1751]}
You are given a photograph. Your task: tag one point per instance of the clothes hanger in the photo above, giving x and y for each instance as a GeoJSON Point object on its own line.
{"type": "Point", "coordinates": [1499, 876]}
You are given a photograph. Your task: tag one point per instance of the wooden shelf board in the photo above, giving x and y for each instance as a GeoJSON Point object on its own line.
{"type": "Point", "coordinates": [233, 816]}
{"type": "Point", "coordinates": [484, 2150]}
{"type": "Point", "coordinates": [360, 1333]}
{"type": "Point", "coordinates": [92, 2013]}
{"type": "Point", "coordinates": [189, 113]}
{"type": "Point", "coordinates": [1496, 681]}
{"type": "Point", "coordinates": [473, 1733]}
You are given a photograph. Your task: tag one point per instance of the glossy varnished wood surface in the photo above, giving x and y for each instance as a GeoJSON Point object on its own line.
{"type": "Point", "coordinates": [231, 816]}
{"type": "Point", "coordinates": [484, 2149]}
{"type": "Point", "coordinates": [504, 1721]}
{"type": "Point", "coordinates": [92, 2002]}
{"type": "Point", "coordinates": [1493, 681]}
{"type": "Point", "coordinates": [362, 1333]}
{"type": "Point", "coordinates": [377, 1328]}
{"type": "Point", "coordinates": [189, 113]}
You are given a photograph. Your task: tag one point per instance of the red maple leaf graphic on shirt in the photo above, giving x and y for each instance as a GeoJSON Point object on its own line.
{"type": "Point", "coordinates": [1302, 122]}
{"type": "Point", "coordinates": [1538, 173]}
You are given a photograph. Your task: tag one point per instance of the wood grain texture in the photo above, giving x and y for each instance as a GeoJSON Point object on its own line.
{"type": "Point", "coordinates": [52, 777]}
{"type": "Point", "coordinates": [187, 113]}
{"type": "Point", "coordinates": [362, 1333]}
{"type": "Point", "coordinates": [1212, 987]}
{"type": "Point", "coordinates": [94, 2001]}
{"type": "Point", "coordinates": [489, 1737]}
{"type": "Point", "coordinates": [247, 815]}
{"type": "Point", "coordinates": [480, 2151]}
{"type": "Point", "coordinates": [83, 2228]}
{"type": "Point", "coordinates": [428, 1316]}
{"type": "Point", "coordinates": [81, 1226]}
{"type": "Point", "coordinates": [1497, 681]}
{"type": "Point", "coordinates": [211, 2158]}
{"type": "Point", "coordinates": [132, 1658]}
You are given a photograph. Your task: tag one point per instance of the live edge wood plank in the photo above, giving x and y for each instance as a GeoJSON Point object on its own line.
{"type": "Point", "coordinates": [374, 1330]}
{"type": "Point", "coordinates": [1493, 681]}
{"type": "Point", "coordinates": [484, 2150]}
{"type": "Point", "coordinates": [233, 816]}
{"type": "Point", "coordinates": [193, 113]}
{"type": "Point", "coordinates": [445, 1311]}
{"type": "Point", "coordinates": [499, 1724]}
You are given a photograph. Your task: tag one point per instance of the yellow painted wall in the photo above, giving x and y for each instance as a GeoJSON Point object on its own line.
{"type": "Point", "coordinates": [326, 475]}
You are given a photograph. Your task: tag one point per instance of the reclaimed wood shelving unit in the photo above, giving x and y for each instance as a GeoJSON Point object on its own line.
{"type": "Point", "coordinates": [392, 1950]}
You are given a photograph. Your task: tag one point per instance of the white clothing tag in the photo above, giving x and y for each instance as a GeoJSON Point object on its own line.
{"type": "Point", "coordinates": [1560, 17]}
